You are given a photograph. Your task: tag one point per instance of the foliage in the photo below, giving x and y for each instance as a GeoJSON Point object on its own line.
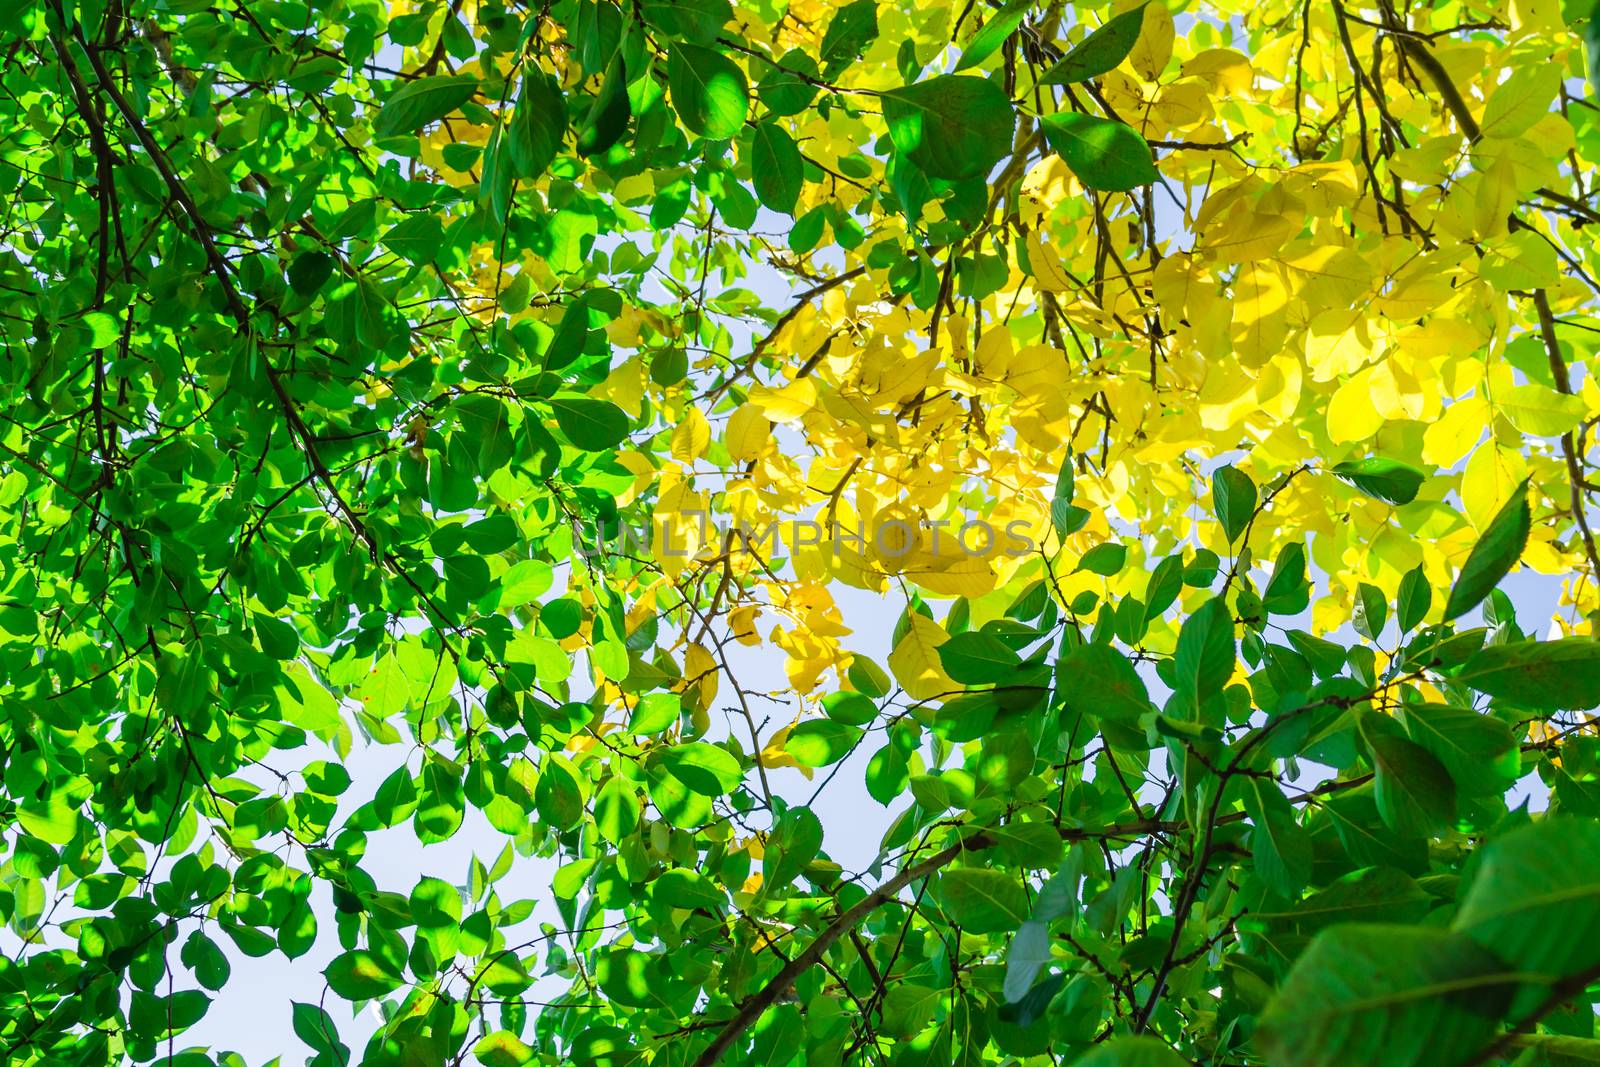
{"type": "Point", "coordinates": [337, 335]}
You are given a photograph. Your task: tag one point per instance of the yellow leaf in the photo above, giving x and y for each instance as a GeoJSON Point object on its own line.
{"type": "Point", "coordinates": [1456, 433]}
{"type": "Point", "coordinates": [1492, 474]}
{"type": "Point", "coordinates": [1337, 343]}
{"type": "Point", "coordinates": [1352, 416]}
{"type": "Point", "coordinates": [1048, 272]}
{"type": "Point", "coordinates": [1496, 196]}
{"type": "Point", "coordinates": [1249, 234]}
{"type": "Point", "coordinates": [742, 624]}
{"type": "Point", "coordinates": [915, 660]}
{"type": "Point", "coordinates": [700, 676]}
{"type": "Point", "coordinates": [1522, 261]}
{"type": "Point", "coordinates": [1538, 410]}
{"type": "Point", "coordinates": [748, 433]}
{"type": "Point", "coordinates": [994, 351]}
{"type": "Point", "coordinates": [1228, 71]}
{"type": "Point", "coordinates": [1521, 100]}
{"type": "Point", "coordinates": [789, 404]}
{"type": "Point", "coordinates": [690, 438]}
{"type": "Point", "coordinates": [1429, 163]}
{"type": "Point", "coordinates": [774, 754]}
{"type": "Point", "coordinates": [1154, 46]}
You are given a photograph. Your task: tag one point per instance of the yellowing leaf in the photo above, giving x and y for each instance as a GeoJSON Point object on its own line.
{"type": "Point", "coordinates": [690, 438]}
{"type": "Point", "coordinates": [915, 660]}
{"type": "Point", "coordinates": [994, 352]}
{"type": "Point", "coordinates": [1521, 100]}
{"type": "Point", "coordinates": [1538, 410]}
{"type": "Point", "coordinates": [789, 404]}
{"type": "Point", "coordinates": [748, 433]}
{"type": "Point", "coordinates": [1048, 272]}
{"type": "Point", "coordinates": [773, 754]}
{"type": "Point", "coordinates": [1491, 476]}
{"type": "Point", "coordinates": [742, 624]}
{"type": "Point", "coordinates": [1456, 433]}
{"type": "Point", "coordinates": [1521, 261]}
{"type": "Point", "coordinates": [700, 676]}
{"type": "Point", "coordinates": [1154, 46]}
{"type": "Point", "coordinates": [1352, 416]}
{"type": "Point", "coordinates": [1337, 344]}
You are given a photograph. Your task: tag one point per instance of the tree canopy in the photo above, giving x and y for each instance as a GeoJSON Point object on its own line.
{"type": "Point", "coordinates": [527, 398]}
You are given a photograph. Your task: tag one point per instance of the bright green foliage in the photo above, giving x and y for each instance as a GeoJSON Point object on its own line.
{"type": "Point", "coordinates": [328, 330]}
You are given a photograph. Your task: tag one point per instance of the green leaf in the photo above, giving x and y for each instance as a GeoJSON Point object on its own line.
{"type": "Point", "coordinates": [791, 846]}
{"type": "Point", "coordinates": [1101, 681]}
{"type": "Point", "coordinates": [1105, 155]}
{"type": "Point", "coordinates": [983, 901]}
{"type": "Point", "coordinates": [1371, 611]}
{"type": "Point", "coordinates": [709, 91]}
{"type": "Point", "coordinates": [1388, 480]}
{"type": "Point", "coordinates": [887, 774]}
{"type": "Point", "coordinates": [360, 975]}
{"type": "Point", "coordinates": [309, 272]}
{"type": "Point", "coordinates": [1280, 846]}
{"type": "Point", "coordinates": [784, 88]}
{"type": "Point", "coordinates": [608, 116]}
{"type": "Point", "coordinates": [856, 709]}
{"type": "Point", "coordinates": [1369, 895]}
{"type": "Point", "coordinates": [852, 28]}
{"type": "Point", "coordinates": [634, 979]}
{"type": "Point", "coordinates": [776, 167]}
{"type": "Point", "coordinates": [1132, 1052]}
{"type": "Point", "coordinates": [987, 41]}
{"type": "Point", "coordinates": [502, 1049]}
{"type": "Point", "coordinates": [435, 904]}
{"type": "Point", "coordinates": [539, 125]}
{"type": "Point", "coordinates": [1106, 558]}
{"type": "Point", "coordinates": [1547, 675]}
{"type": "Point", "coordinates": [1233, 499]}
{"type": "Point", "coordinates": [417, 238]}
{"type": "Point", "coordinates": [1416, 597]}
{"type": "Point", "coordinates": [1027, 954]}
{"type": "Point", "coordinates": [592, 425]}
{"type": "Point", "coordinates": [559, 795]}
{"type": "Point", "coordinates": [655, 712]}
{"type": "Point", "coordinates": [1478, 750]}
{"type": "Point", "coordinates": [683, 888]}
{"type": "Point", "coordinates": [821, 742]}
{"type": "Point", "coordinates": [1205, 656]}
{"type": "Point", "coordinates": [1535, 900]}
{"type": "Point", "coordinates": [1591, 44]}
{"type": "Point", "coordinates": [699, 21]}
{"type": "Point", "coordinates": [1396, 995]}
{"type": "Point", "coordinates": [423, 101]}
{"type": "Point", "coordinates": [210, 966]}
{"type": "Point", "coordinates": [1100, 52]}
{"type": "Point", "coordinates": [315, 1027]}
{"type": "Point", "coordinates": [1067, 518]}
{"type": "Point", "coordinates": [1492, 558]}
{"type": "Point", "coordinates": [705, 769]}
{"type": "Point", "coordinates": [908, 1007]}
{"type": "Point", "coordinates": [978, 659]}
{"type": "Point", "coordinates": [1166, 582]}
{"type": "Point", "coordinates": [953, 126]}
{"type": "Point", "coordinates": [1288, 592]}
{"type": "Point", "coordinates": [52, 819]}
{"type": "Point", "coordinates": [616, 809]}
{"type": "Point", "coordinates": [1415, 792]}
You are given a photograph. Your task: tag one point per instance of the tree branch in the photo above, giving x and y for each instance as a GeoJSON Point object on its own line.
{"type": "Point", "coordinates": [753, 1008]}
